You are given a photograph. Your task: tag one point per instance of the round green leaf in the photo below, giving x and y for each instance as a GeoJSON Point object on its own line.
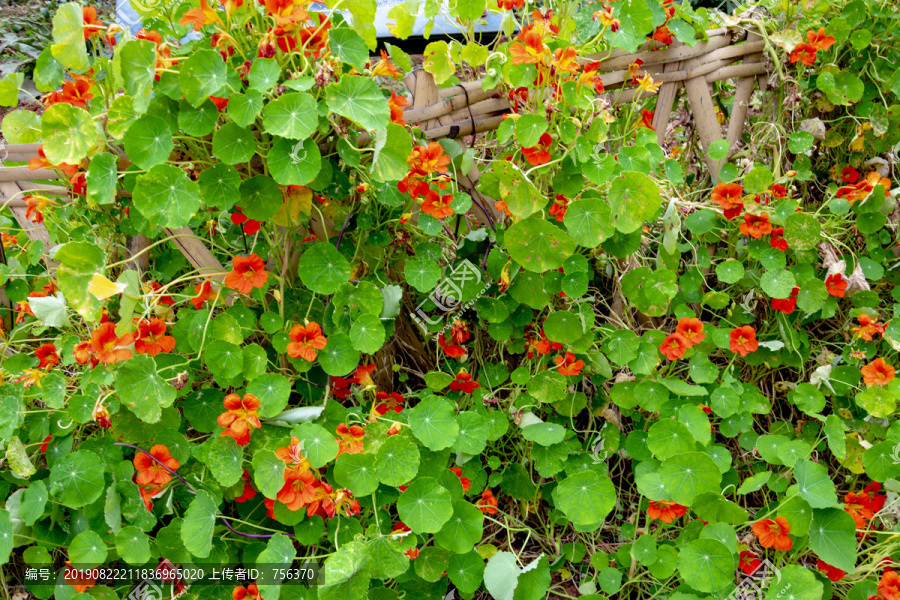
{"type": "Point", "coordinates": [166, 196]}
{"type": "Point", "coordinates": [586, 498]}
{"type": "Point", "coordinates": [474, 431]}
{"type": "Point", "coordinates": [545, 434]}
{"type": "Point", "coordinates": [538, 245]}
{"type": "Point", "coordinates": [433, 422]}
{"type": "Point", "coordinates": [225, 460]}
{"type": "Point", "coordinates": [396, 461]}
{"type": "Point", "coordinates": [142, 389]}
{"type": "Point", "coordinates": [707, 565]}
{"type": "Point", "coordinates": [425, 506]}
{"type": "Point", "coordinates": [319, 446]}
{"type": "Point", "coordinates": [778, 283]}
{"type": "Point", "coordinates": [367, 334]}
{"type": "Point", "coordinates": [802, 231]}
{"type": "Point", "coordinates": [225, 360]}
{"type": "Point", "coordinates": [76, 479]}
{"type": "Point", "coordinates": [633, 198]}
{"type": "Point", "coordinates": [268, 472]}
{"type": "Point", "coordinates": [260, 198]}
{"type": "Point", "coordinates": [201, 75]}
{"type": "Point", "coordinates": [67, 133]}
{"type": "Point", "coordinates": [563, 327]}
{"type": "Point", "coordinates": [102, 176]}
{"type": "Point", "coordinates": [198, 524]}
{"type": "Point", "coordinates": [264, 74]}
{"type": "Point", "coordinates": [233, 144]}
{"type": "Point", "coordinates": [668, 437]}
{"type": "Point", "coordinates": [198, 122]}
{"type": "Point", "coordinates": [87, 550]}
{"type": "Point", "coordinates": [220, 186]}
{"type": "Point", "coordinates": [243, 108]}
{"type": "Point", "coordinates": [463, 530]}
{"type": "Point", "coordinates": [339, 357]}
{"type": "Point", "coordinates": [466, 571]}
{"type": "Point", "coordinates": [686, 475]}
{"type": "Point", "coordinates": [294, 163]}
{"type": "Point", "coordinates": [832, 536]}
{"type": "Point", "coordinates": [148, 141]}
{"type": "Point", "coordinates": [360, 100]}
{"type": "Point", "coordinates": [423, 275]}
{"type": "Point", "coordinates": [273, 391]}
{"type": "Point", "coordinates": [357, 473]}
{"type": "Point", "coordinates": [323, 269]}
{"type": "Point", "coordinates": [815, 485]}
{"type": "Point", "coordinates": [133, 545]}
{"type": "Point", "coordinates": [730, 271]}
{"type": "Point", "coordinates": [796, 583]}
{"type": "Point", "coordinates": [294, 116]}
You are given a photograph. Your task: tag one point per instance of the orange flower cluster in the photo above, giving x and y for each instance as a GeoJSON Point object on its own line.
{"type": "Point", "coordinates": [305, 340]}
{"type": "Point", "coordinates": [877, 372]}
{"type": "Point", "coordinates": [743, 340]}
{"type": "Point", "coordinates": [665, 510]}
{"type": "Point", "coordinates": [863, 506]}
{"type": "Point", "coordinates": [868, 327]}
{"type": "Point", "coordinates": [662, 34]}
{"type": "Point", "coordinates": [815, 41]}
{"type": "Point", "coordinates": [153, 472]}
{"type": "Point", "coordinates": [303, 489]}
{"type": "Point", "coordinates": [888, 586]}
{"type": "Point", "coordinates": [396, 104]}
{"type": "Point", "coordinates": [350, 438]}
{"type": "Point", "coordinates": [249, 273]}
{"type": "Point", "coordinates": [540, 345]}
{"type": "Point", "coordinates": [773, 533]}
{"type": "Point", "coordinates": [105, 346]}
{"type": "Point", "coordinates": [459, 334]}
{"type": "Point", "coordinates": [688, 333]}
{"type": "Point", "coordinates": [488, 503]}
{"type": "Point", "coordinates": [151, 338]}
{"type": "Point", "coordinates": [423, 162]}
{"type": "Point", "coordinates": [862, 188]}
{"type": "Point", "coordinates": [240, 417]}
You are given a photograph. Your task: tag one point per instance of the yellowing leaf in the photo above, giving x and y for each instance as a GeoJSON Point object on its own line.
{"type": "Point", "coordinates": [296, 202]}
{"type": "Point", "coordinates": [102, 288]}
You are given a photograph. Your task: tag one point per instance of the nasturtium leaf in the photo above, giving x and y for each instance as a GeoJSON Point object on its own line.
{"type": "Point", "coordinates": [529, 129]}
{"type": "Point", "coordinates": [538, 245]}
{"type": "Point", "coordinates": [87, 550]}
{"type": "Point", "coordinates": [423, 275]}
{"type": "Point", "coordinates": [69, 47]}
{"type": "Point", "coordinates": [101, 179]}
{"type": "Point", "coordinates": [425, 506]}
{"type": "Point", "coordinates": [807, 398]}
{"type": "Point", "coordinates": [165, 195]}
{"type": "Point", "coordinates": [439, 61]}
{"type": "Point", "coordinates": [758, 180]}
{"type": "Point", "coordinates": [635, 23]}
{"type": "Point", "coordinates": [396, 461]}
{"type": "Point", "coordinates": [347, 45]}
{"type": "Point", "coordinates": [621, 346]}
{"type": "Point", "coordinates": [225, 459]}
{"type": "Point", "coordinates": [202, 74]}
{"type": "Point", "coordinates": [474, 431]}
{"type": "Point", "coordinates": [293, 116]}
{"type": "Point", "coordinates": [279, 551]}
{"type": "Point", "coordinates": [707, 565]}
{"type": "Point", "coordinates": [387, 553]}
{"type": "Point", "coordinates": [795, 583]}
{"type": "Point", "coordinates": [815, 486]}
{"type": "Point", "coordinates": [9, 88]}
{"type": "Point", "coordinates": [367, 334]}
{"type": "Point", "coordinates": [879, 462]}
{"type": "Point", "coordinates": [832, 536]}
{"type": "Point", "coordinates": [563, 327]}
{"type": "Point", "coordinates": [586, 498]}
{"type": "Point", "coordinates": [633, 199]}
{"type": "Point", "coordinates": [842, 88]}
{"type": "Point", "coordinates": [360, 100]}
{"type": "Point", "coordinates": [260, 198]}
{"type": "Point", "coordinates": [778, 283]}
{"type": "Point", "coordinates": [268, 472]}
{"type": "Point", "coordinates": [464, 529]}
{"type": "Point", "coordinates": [142, 390]}
{"type": "Point", "coordinates": [754, 483]}
{"type": "Point", "coordinates": [323, 269]}
{"type": "Point", "coordinates": [148, 141]}
{"type": "Point", "coordinates": [198, 524]}
{"type": "Point", "coordinates": [730, 271]}
{"type": "Point", "coordinates": [21, 127]}
{"type": "Point", "coordinates": [345, 574]}
{"type": "Point", "coordinates": [877, 401]}
{"type": "Point", "coordinates": [319, 446]}
{"type": "Point", "coordinates": [357, 473]}
{"type": "Point", "coordinates": [798, 514]}
{"type": "Point", "coordinates": [67, 133]}
{"type": "Point", "coordinates": [273, 391]}
{"type": "Point", "coordinates": [132, 545]}
{"type": "Point", "coordinates": [76, 479]}
{"type": "Point", "coordinates": [697, 423]}
{"type": "Point", "coordinates": [433, 422]}
{"type": "Point", "coordinates": [793, 451]}
{"type": "Point", "coordinates": [687, 475]}
{"type": "Point", "coordinates": [264, 74]}
{"type": "Point", "coordinates": [339, 357]}
{"type": "Point", "coordinates": [668, 437]}
{"type": "Point", "coordinates": [244, 108]}
{"type": "Point", "coordinates": [225, 360]}
{"type": "Point", "coordinates": [232, 144]}
{"type": "Point", "coordinates": [199, 121]}
{"type": "Point", "coordinates": [393, 146]}
{"type": "Point", "coordinates": [812, 295]}
{"type": "Point", "coordinates": [466, 571]}
{"type": "Point", "coordinates": [6, 537]}
{"type": "Point", "coordinates": [802, 231]}
{"type": "Point", "coordinates": [545, 434]}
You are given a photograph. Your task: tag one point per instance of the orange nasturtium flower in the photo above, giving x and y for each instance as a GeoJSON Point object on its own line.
{"type": "Point", "coordinates": [565, 61]}
{"type": "Point", "coordinates": [92, 25]}
{"type": "Point", "coordinates": [249, 492]}
{"type": "Point", "coordinates": [805, 53]}
{"type": "Point", "coordinates": [665, 511]}
{"type": "Point", "coordinates": [363, 374]}
{"type": "Point", "coordinates": [149, 471]}
{"type": "Point", "coordinates": [773, 533]}
{"type": "Point", "coordinates": [529, 48]}
{"type": "Point", "coordinates": [540, 154]}
{"type": "Point", "coordinates": [674, 346]}
{"type": "Point", "coordinates": [743, 340]}
{"type": "Point", "coordinates": [251, 592]}
{"type": "Point", "coordinates": [80, 581]}
{"type": "Point", "coordinates": [204, 292]}
{"type": "Point", "coordinates": [239, 417]}
{"type": "Point", "coordinates": [818, 39]}
{"type": "Point", "coordinates": [877, 372]}
{"type": "Point", "coordinates": [36, 205]}
{"type": "Point", "coordinates": [568, 365]}
{"type": "Point", "coordinates": [488, 503]}
{"type": "Point", "coordinates": [836, 285]}
{"type": "Point", "coordinates": [293, 458]}
{"type": "Point", "coordinates": [389, 402]}
{"type": "Point", "coordinates": [463, 383]}
{"type": "Point", "coordinates": [396, 104]}
{"type": "Point", "coordinates": [305, 340]}
{"type": "Point", "coordinates": [200, 16]}
{"type": "Point", "coordinates": [730, 198]}
{"type": "Point", "coordinates": [249, 273]}
{"type": "Point", "coordinates": [428, 159]}
{"type": "Point", "coordinates": [691, 329]}
{"type": "Point", "coordinates": [437, 205]}
{"type": "Point", "coordinates": [350, 438]}
{"type": "Point", "coordinates": [833, 573]}
{"type": "Point", "coordinates": [756, 226]}
{"type": "Point", "coordinates": [46, 354]}
{"type": "Point", "coordinates": [465, 481]}
{"type": "Point", "coordinates": [152, 339]}
{"type": "Point", "coordinates": [385, 68]}
{"type": "Point", "coordinates": [107, 345]}
{"type": "Point", "coordinates": [868, 327]}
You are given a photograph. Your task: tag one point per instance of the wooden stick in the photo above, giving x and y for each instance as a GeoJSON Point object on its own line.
{"type": "Point", "coordinates": [705, 120]}
{"type": "Point", "coordinates": [480, 108]}
{"type": "Point", "coordinates": [750, 70]}
{"type": "Point", "coordinates": [454, 90]}
{"type": "Point", "coordinates": [459, 128]}
{"type": "Point", "coordinates": [433, 111]}
{"type": "Point", "coordinates": [43, 188]}
{"type": "Point", "coordinates": [23, 174]}
{"type": "Point", "coordinates": [742, 93]}
{"type": "Point", "coordinates": [665, 101]}
{"type": "Point", "coordinates": [657, 57]}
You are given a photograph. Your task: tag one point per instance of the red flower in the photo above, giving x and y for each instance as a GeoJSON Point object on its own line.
{"type": "Point", "coordinates": [363, 374]}
{"type": "Point", "coordinates": [340, 387]}
{"type": "Point", "coordinates": [833, 573]}
{"type": "Point", "coordinates": [691, 329]}
{"type": "Point", "coordinates": [510, 4]}
{"type": "Point", "coordinates": [488, 503]}
{"type": "Point", "coordinates": [730, 198]}
{"type": "Point", "coordinates": [849, 174]}
{"type": "Point", "coordinates": [107, 345]}
{"type": "Point", "coordinates": [836, 285]}
{"type": "Point", "coordinates": [152, 339]}
{"type": "Point", "coordinates": [568, 365]}
{"type": "Point", "coordinates": [80, 581]}
{"type": "Point", "coordinates": [203, 293]}
{"type": "Point", "coordinates": [463, 382]}
{"type": "Point", "coordinates": [350, 439]}
{"type": "Point", "coordinates": [773, 533]}
{"type": "Point", "coordinates": [743, 340]}
{"type": "Point", "coordinates": [777, 240]}
{"type": "Point", "coordinates": [46, 353]}
{"type": "Point", "coordinates": [647, 116]}
{"type": "Point", "coordinates": [748, 562]}
{"type": "Point", "coordinates": [389, 402]}
{"type": "Point", "coordinates": [251, 227]}
{"type": "Point", "coordinates": [221, 103]}
{"type": "Point", "coordinates": [249, 273]}
{"type": "Point", "coordinates": [396, 104]}
{"type": "Point", "coordinates": [868, 327]}
{"type": "Point", "coordinates": [804, 53]}
{"type": "Point", "coordinates": [779, 191]}
{"type": "Point", "coordinates": [786, 305]}
{"type": "Point", "coordinates": [674, 346]}
{"type": "Point", "coordinates": [149, 471]}
{"type": "Point", "coordinates": [438, 206]}
{"type": "Point", "coordinates": [45, 441]}
{"type": "Point", "coordinates": [818, 39]}
{"type": "Point", "coordinates": [91, 24]}
{"type": "Point", "coordinates": [305, 340]}
{"type": "Point", "coordinates": [249, 491]}
{"type": "Point", "coordinates": [540, 154]}
{"type": "Point", "coordinates": [84, 352]}
{"type": "Point", "coordinates": [877, 372]}
{"type": "Point", "coordinates": [665, 511]}
{"type": "Point", "coordinates": [450, 349]}
{"type": "Point", "coordinates": [251, 592]}
{"type": "Point", "coordinates": [559, 207]}
{"type": "Point", "coordinates": [239, 417]}
{"type": "Point", "coordinates": [756, 226]}
{"type": "Point", "coordinates": [466, 484]}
